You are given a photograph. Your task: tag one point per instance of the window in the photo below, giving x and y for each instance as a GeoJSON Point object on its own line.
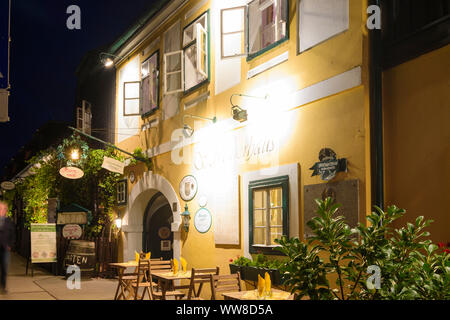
{"type": "Point", "coordinates": [267, 25]}
{"type": "Point", "coordinates": [320, 20]}
{"type": "Point", "coordinates": [84, 117]}
{"type": "Point", "coordinates": [187, 69]}
{"type": "Point", "coordinates": [262, 25]}
{"type": "Point", "coordinates": [413, 28]}
{"type": "Point", "coordinates": [232, 29]}
{"type": "Point", "coordinates": [131, 98]}
{"type": "Point", "coordinates": [268, 213]}
{"type": "Point", "coordinates": [122, 192]}
{"type": "Point", "coordinates": [150, 85]}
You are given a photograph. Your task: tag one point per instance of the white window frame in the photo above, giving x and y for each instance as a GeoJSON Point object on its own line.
{"type": "Point", "coordinates": [167, 73]}
{"type": "Point", "coordinates": [243, 32]}
{"type": "Point", "coordinates": [197, 32]}
{"type": "Point", "coordinates": [278, 20]}
{"type": "Point", "coordinates": [202, 34]}
{"type": "Point", "coordinates": [134, 98]}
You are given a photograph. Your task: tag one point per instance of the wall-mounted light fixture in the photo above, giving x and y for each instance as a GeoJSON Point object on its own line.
{"type": "Point", "coordinates": [107, 59]}
{"type": "Point", "coordinates": [118, 221]}
{"type": "Point", "coordinates": [186, 217]}
{"type": "Point", "coordinates": [240, 114]}
{"type": "Point", "coordinates": [187, 130]}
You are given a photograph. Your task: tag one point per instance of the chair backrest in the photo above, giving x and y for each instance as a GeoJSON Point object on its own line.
{"type": "Point", "coordinates": [142, 271]}
{"type": "Point", "coordinates": [200, 277]}
{"type": "Point", "coordinates": [160, 265]}
{"type": "Point", "coordinates": [225, 283]}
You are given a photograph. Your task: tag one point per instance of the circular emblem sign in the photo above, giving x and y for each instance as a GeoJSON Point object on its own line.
{"type": "Point", "coordinates": [72, 231]}
{"type": "Point", "coordinates": [7, 185]}
{"type": "Point", "coordinates": [164, 233]}
{"type": "Point", "coordinates": [71, 173]}
{"type": "Point", "coordinates": [188, 188]}
{"type": "Point", "coordinates": [203, 220]}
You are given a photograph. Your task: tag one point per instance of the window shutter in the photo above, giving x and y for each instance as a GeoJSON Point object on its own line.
{"type": "Point", "coordinates": [233, 31]}
{"type": "Point", "coordinates": [173, 72]}
{"type": "Point", "coordinates": [202, 50]}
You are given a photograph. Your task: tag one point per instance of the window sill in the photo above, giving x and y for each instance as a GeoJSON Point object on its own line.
{"type": "Point", "coordinates": [268, 250]}
{"type": "Point", "coordinates": [198, 86]}
{"type": "Point", "coordinates": [252, 56]}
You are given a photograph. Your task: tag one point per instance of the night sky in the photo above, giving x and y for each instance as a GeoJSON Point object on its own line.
{"type": "Point", "coordinates": [45, 55]}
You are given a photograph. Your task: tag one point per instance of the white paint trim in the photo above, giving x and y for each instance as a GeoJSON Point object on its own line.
{"type": "Point", "coordinates": [294, 202]}
{"type": "Point", "coordinates": [197, 100]}
{"type": "Point", "coordinates": [133, 216]}
{"type": "Point", "coordinates": [267, 65]}
{"type": "Point", "coordinates": [326, 88]}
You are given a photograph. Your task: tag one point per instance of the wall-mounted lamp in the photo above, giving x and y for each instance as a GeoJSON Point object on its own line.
{"type": "Point", "coordinates": [118, 221]}
{"type": "Point", "coordinates": [240, 114]}
{"type": "Point", "coordinates": [107, 59]}
{"type": "Point", "coordinates": [186, 217]}
{"type": "Point", "coordinates": [187, 130]}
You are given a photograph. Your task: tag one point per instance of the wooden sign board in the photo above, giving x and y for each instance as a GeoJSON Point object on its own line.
{"type": "Point", "coordinates": [72, 218]}
{"type": "Point", "coordinates": [345, 193]}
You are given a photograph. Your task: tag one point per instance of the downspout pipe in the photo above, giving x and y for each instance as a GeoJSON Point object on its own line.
{"type": "Point", "coordinates": [376, 113]}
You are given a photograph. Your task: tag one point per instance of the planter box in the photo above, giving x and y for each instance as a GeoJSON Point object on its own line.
{"type": "Point", "coordinates": [234, 268]}
{"type": "Point", "coordinates": [251, 273]}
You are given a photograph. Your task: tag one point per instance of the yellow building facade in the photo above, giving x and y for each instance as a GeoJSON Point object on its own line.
{"type": "Point", "coordinates": [298, 83]}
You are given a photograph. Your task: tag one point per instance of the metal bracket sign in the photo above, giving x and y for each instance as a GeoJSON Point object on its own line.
{"type": "Point", "coordinates": [329, 165]}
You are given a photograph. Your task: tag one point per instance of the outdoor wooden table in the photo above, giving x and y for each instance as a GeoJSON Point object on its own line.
{"type": "Point", "coordinates": [124, 289]}
{"type": "Point", "coordinates": [167, 277]}
{"type": "Point", "coordinates": [252, 295]}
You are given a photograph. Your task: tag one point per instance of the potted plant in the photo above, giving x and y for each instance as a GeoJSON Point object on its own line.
{"type": "Point", "coordinates": [410, 266]}
{"type": "Point", "coordinates": [238, 265]}
{"type": "Point", "coordinates": [250, 269]}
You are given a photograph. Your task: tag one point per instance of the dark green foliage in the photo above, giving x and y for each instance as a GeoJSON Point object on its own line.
{"type": "Point", "coordinates": [96, 191]}
{"type": "Point", "coordinates": [411, 266]}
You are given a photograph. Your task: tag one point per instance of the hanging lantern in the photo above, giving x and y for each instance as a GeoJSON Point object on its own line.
{"type": "Point", "coordinates": [72, 154]}
{"type": "Point", "coordinates": [186, 217]}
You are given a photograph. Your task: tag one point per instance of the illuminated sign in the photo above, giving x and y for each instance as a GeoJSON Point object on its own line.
{"type": "Point", "coordinates": [71, 173]}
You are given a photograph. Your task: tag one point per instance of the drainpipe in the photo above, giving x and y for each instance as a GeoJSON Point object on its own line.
{"type": "Point", "coordinates": [376, 114]}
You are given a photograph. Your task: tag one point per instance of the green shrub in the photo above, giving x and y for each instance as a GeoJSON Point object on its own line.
{"type": "Point", "coordinates": [411, 266]}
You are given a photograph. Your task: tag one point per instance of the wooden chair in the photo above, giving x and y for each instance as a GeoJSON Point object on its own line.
{"type": "Point", "coordinates": [200, 277]}
{"type": "Point", "coordinates": [163, 266]}
{"type": "Point", "coordinates": [143, 280]}
{"type": "Point", "coordinates": [225, 283]}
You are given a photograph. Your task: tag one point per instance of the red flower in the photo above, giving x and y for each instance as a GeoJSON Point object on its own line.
{"type": "Point", "coordinates": [447, 250]}
{"type": "Point", "coordinates": [441, 245]}
{"type": "Point", "coordinates": [231, 260]}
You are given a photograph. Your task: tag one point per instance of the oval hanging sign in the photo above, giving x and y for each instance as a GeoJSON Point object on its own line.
{"type": "Point", "coordinates": [71, 173]}
{"type": "Point", "coordinates": [203, 220]}
{"type": "Point", "coordinates": [8, 185]}
{"type": "Point", "coordinates": [188, 188]}
{"type": "Point", "coordinates": [72, 231]}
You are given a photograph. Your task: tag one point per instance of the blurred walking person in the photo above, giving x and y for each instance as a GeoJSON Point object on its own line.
{"type": "Point", "coordinates": [6, 242]}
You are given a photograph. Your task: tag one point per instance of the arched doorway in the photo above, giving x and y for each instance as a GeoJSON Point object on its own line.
{"type": "Point", "coordinates": [157, 236]}
{"type": "Point", "coordinates": [133, 216]}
